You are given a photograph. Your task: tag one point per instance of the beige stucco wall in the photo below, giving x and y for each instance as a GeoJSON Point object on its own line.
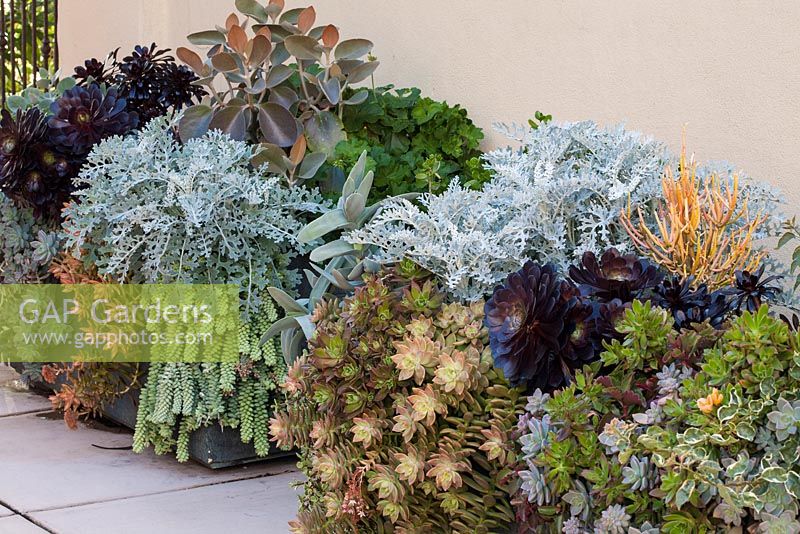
{"type": "Point", "coordinates": [729, 70]}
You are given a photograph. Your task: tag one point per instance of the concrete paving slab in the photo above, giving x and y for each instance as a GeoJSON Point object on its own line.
{"type": "Point", "coordinates": [257, 506]}
{"type": "Point", "coordinates": [19, 525]}
{"type": "Point", "coordinates": [5, 512]}
{"type": "Point", "coordinates": [47, 466]}
{"type": "Point", "coordinates": [16, 402]}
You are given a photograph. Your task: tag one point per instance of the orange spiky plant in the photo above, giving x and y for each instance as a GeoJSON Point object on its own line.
{"type": "Point", "coordinates": [703, 228]}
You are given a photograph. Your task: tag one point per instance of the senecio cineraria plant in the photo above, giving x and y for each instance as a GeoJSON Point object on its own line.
{"type": "Point", "coordinates": [401, 421]}
{"type": "Point", "coordinates": [672, 431]}
{"type": "Point", "coordinates": [154, 210]}
{"type": "Point", "coordinates": [557, 197]}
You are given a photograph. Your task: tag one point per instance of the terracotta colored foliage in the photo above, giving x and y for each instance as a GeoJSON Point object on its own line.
{"type": "Point", "coordinates": [86, 386]}
{"type": "Point", "coordinates": [401, 421]}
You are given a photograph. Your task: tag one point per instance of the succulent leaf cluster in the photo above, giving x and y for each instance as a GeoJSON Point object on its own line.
{"type": "Point", "coordinates": [401, 421]}
{"type": "Point", "coordinates": [154, 210]}
{"type": "Point", "coordinates": [34, 171]}
{"type": "Point", "coordinates": [41, 151]}
{"type": "Point", "coordinates": [237, 392]}
{"type": "Point", "coordinates": [83, 116]}
{"type": "Point", "coordinates": [53, 124]}
{"type": "Point", "coordinates": [27, 246]}
{"type": "Point", "coordinates": [530, 323]}
{"type": "Point", "coordinates": [285, 80]}
{"type": "Point", "coordinates": [48, 88]}
{"type": "Point", "coordinates": [345, 264]}
{"type": "Point", "coordinates": [671, 431]}
{"type": "Point", "coordinates": [148, 79]}
{"type": "Point", "coordinates": [543, 327]}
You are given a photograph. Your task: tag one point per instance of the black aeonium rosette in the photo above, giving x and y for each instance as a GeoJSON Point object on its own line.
{"type": "Point", "coordinates": [92, 71]}
{"type": "Point", "coordinates": [152, 83]}
{"type": "Point", "coordinates": [83, 116]}
{"type": "Point", "coordinates": [615, 276]}
{"type": "Point", "coordinates": [690, 303]}
{"type": "Point", "coordinates": [33, 172]}
{"type": "Point", "coordinates": [751, 290]}
{"type": "Point", "coordinates": [529, 326]}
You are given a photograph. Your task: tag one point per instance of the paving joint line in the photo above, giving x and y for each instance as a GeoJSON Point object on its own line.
{"type": "Point", "coordinates": [29, 412]}
{"type": "Point", "coordinates": [176, 490]}
{"type": "Point", "coordinates": [26, 517]}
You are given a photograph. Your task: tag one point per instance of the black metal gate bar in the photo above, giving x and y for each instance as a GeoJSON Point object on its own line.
{"type": "Point", "coordinates": [28, 42]}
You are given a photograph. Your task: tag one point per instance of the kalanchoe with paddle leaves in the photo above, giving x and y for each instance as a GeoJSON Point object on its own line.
{"type": "Point", "coordinates": [83, 116]}
{"type": "Point", "coordinates": [284, 83]}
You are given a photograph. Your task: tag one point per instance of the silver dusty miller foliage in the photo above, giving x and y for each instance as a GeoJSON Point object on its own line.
{"type": "Point", "coordinates": [154, 210]}
{"type": "Point", "coordinates": [557, 196]}
{"type": "Point", "coordinates": [467, 238]}
{"type": "Point", "coordinates": [26, 245]}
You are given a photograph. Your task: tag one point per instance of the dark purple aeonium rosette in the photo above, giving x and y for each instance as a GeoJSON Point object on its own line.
{"type": "Point", "coordinates": [615, 276]}
{"type": "Point", "coordinates": [531, 321]}
{"type": "Point", "coordinates": [690, 303]}
{"type": "Point", "coordinates": [83, 116]}
{"type": "Point", "coordinates": [33, 173]}
{"type": "Point", "coordinates": [752, 289]}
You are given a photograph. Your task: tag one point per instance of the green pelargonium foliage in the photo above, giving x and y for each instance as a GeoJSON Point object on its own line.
{"type": "Point", "coordinates": [694, 431]}
{"type": "Point", "coordinates": [401, 421]}
{"type": "Point", "coordinates": [282, 84]}
{"type": "Point", "coordinates": [46, 90]}
{"type": "Point", "coordinates": [413, 143]}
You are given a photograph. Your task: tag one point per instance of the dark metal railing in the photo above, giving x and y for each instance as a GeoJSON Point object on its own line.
{"type": "Point", "coordinates": [28, 42]}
